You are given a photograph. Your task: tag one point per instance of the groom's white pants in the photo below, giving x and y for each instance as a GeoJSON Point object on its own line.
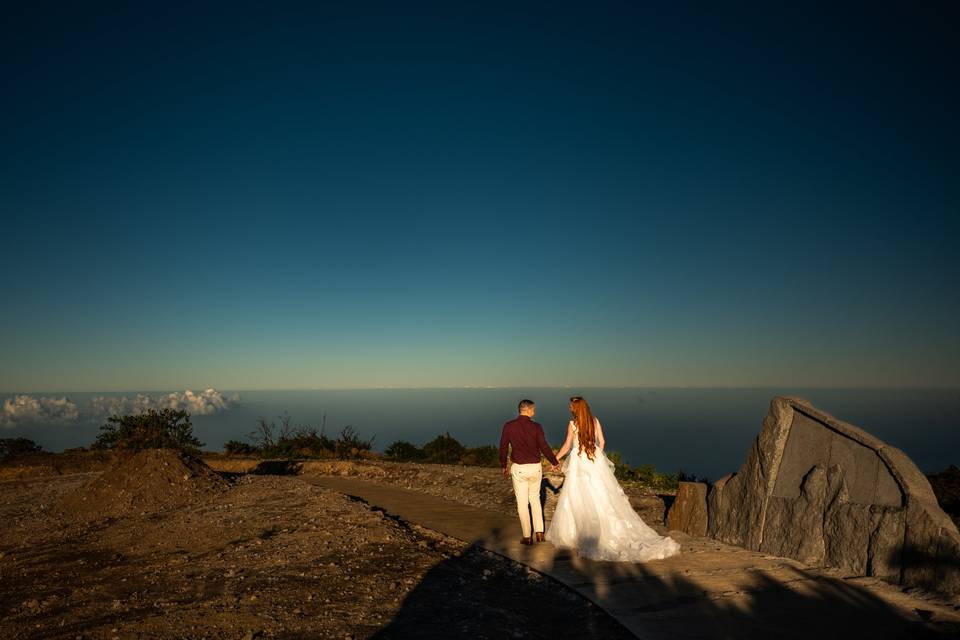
{"type": "Point", "coordinates": [526, 486]}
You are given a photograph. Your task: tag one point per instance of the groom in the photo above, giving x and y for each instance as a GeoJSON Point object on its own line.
{"type": "Point", "coordinates": [526, 440]}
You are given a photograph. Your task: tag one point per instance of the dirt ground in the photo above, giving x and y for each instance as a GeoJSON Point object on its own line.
{"type": "Point", "coordinates": [476, 486]}
{"type": "Point", "coordinates": [261, 556]}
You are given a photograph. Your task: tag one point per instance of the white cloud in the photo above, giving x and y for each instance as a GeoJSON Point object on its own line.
{"type": "Point", "coordinates": [23, 409]}
{"type": "Point", "coordinates": [203, 403]}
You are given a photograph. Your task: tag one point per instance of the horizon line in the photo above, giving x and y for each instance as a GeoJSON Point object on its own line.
{"type": "Point", "coordinates": [908, 387]}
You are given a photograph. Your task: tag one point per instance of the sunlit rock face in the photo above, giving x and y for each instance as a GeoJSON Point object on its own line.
{"type": "Point", "coordinates": [829, 494]}
{"type": "Point", "coordinates": [688, 513]}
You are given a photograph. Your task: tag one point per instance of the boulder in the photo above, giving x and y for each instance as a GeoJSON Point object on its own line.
{"type": "Point", "coordinates": [829, 494]}
{"type": "Point", "coordinates": [688, 513]}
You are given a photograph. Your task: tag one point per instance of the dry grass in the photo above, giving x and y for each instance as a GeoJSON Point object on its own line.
{"type": "Point", "coordinates": [231, 465]}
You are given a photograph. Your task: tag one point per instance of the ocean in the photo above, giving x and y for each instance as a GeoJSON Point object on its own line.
{"type": "Point", "coordinates": [706, 432]}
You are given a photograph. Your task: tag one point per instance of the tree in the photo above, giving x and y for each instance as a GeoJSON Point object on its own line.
{"type": "Point", "coordinates": [10, 447]}
{"type": "Point", "coordinates": [152, 429]}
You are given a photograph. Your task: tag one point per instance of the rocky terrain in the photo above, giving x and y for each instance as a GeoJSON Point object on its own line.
{"type": "Point", "coordinates": [260, 557]}
{"type": "Point", "coordinates": [163, 546]}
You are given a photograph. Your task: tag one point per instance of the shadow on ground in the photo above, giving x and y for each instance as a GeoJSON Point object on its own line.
{"type": "Point", "coordinates": [484, 603]}
{"type": "Point", "coordinates": [788, 603]}
{"type": "Point", "coordinates": [277, 468]}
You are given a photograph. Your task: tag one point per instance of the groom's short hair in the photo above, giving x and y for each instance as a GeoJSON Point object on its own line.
{"type": "Point", "coordinates": [525, 404]}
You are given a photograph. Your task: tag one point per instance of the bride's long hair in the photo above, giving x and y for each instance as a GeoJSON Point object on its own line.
{"type": "Point", "coordinates": [586, 431]}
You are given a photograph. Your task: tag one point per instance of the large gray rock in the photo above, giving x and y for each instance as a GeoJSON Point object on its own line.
{"type": "Point", "coordinates": [827, 493]}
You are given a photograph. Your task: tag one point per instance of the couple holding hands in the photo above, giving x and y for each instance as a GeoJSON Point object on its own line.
{"type": "Point", "coordinates": [593, 514]}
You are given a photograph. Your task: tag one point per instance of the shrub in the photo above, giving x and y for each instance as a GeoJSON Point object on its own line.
{"type": "Point", "coordinates": [272, 440]}
{"type": "Point", "coordinates": [444, 449]}
{"type": "Point", "coordinates": [620, 468]}
{"type": "Point", "coordinates": [268, 434]}
{"type": "Point", "coordinates": [349, 445]}
{"type": "Point", "coordinates": [404, 451]}
{"type": "Point", "coordinates": [237, 448]}
{"type": "Point", "coordinates": [690, 477]}
{"type": "Point", "coordinates": [646, 474]}
{"type": "Point", "coordinates": [10, 447]}
{"type": "Point", "coordinates": [152, 429]}
{"type": "Point", "coordinates": [485, 456]}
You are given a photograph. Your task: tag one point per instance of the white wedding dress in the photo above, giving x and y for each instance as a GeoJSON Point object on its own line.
{"type": "Point", "coordinates": [594, 515]}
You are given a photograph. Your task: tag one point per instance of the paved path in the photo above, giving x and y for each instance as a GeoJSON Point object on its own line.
{"type": "Point", "coordinates": [711, 590]}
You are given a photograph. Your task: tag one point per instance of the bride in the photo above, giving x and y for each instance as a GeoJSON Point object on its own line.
{"type": "Point", "coordinates": [593, 515]}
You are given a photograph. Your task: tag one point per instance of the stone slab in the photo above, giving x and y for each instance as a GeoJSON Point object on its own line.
{"type": "Point", "coordinates": [860, 468]}
{"type": "Point", "coordinates": [688, 513]}
{"type": "Point", "coordinates": [822, 491]}
{"type": "Point", "coordinates": [807, 446]}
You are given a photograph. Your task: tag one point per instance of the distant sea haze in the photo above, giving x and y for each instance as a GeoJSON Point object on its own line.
{"type": "Point", "coordinates": [706, 432]}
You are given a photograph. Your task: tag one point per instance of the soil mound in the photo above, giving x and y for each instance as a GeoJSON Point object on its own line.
{"type": "Point", "coordinates": [146, 482]}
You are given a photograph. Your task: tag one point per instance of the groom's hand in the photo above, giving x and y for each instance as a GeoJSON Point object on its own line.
{"type": "Point", "coordinates": [506, 472]}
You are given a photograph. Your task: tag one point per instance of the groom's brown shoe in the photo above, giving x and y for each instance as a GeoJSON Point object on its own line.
{"type": "Point", "coordinates": [539, 536]}
{"type": "Point", "coordinates": [526, 541]}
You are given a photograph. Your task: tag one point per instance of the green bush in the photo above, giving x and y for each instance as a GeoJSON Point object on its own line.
{"type": "Point", "coordinates": [152, 429]}
{"type": "Point", "coordinates": [444, 449]}
{"type": "Point", "coordinates": [484, 456]}
{"type": "Point", "coordinates": [403, 451]}
{"type": "Point", "coordinates": [646, 474]}
{"type": "Point", "coordinates": [237, 448]}
{"type": "Point", "coordinates": [10, 447]}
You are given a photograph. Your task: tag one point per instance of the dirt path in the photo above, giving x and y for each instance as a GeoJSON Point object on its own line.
{"type": "Point", "coordinates": [711, 590]}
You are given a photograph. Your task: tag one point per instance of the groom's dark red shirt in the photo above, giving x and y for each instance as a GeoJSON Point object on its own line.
{"type": "Point", "coordinates": [528, 442]}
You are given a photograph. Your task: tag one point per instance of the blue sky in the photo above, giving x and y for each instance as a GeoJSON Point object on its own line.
{"type": "Point", "coordinates": [361, 195]}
